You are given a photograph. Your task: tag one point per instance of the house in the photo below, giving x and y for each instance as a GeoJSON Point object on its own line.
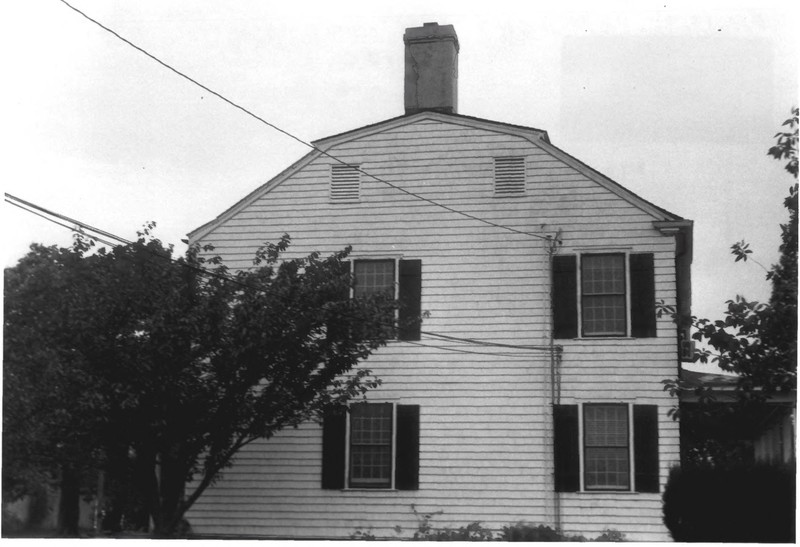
{"type": "Point", "coordinates": [532, 390]}
{"type": "Point", "coordinates": [758, 433]}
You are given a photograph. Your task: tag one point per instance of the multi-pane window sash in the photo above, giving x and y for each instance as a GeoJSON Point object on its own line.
{"type": "Point", "coordinates": [603, 295]}
{"type": "Point", "coordinates": [371, 445]}
{"type": "Point", "coordinates": [374, 277]}
{"type": "Point", "coordinates": [610, 294]}
{"type": "Point", "coordinates": [606, 449]}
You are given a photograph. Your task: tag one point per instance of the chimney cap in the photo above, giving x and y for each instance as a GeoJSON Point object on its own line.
{"type": "Point", "coordinates": [431, 32]}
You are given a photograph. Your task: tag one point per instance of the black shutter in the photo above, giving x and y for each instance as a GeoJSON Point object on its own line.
{"type": "Point", "coordinates": [565, 297]}
{"type": "Point", "coordinates": [336, 330]}
{"type": "Point", "coordinates": [645, 447]}
{"type": "Point", "coordinates": [406, 468]}
{"type": "Point", "coordinates": [410, 295]}
{"type": "Point", "coordinates": [333, 449]}
{"type": "Point", "coordinates": [643, 296]}
{"type": "Point", "coordinates": [566, 448]}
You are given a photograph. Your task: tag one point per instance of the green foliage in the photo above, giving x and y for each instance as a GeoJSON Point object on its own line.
{"type": "Point", "coordinates": [752, 504]}
{"type": "Point", "coordinates": [119, 359]}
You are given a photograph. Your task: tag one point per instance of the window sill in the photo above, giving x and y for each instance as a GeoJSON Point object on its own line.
{"type": "Point", "coordinates": [595, 338]}
{"type": "Point", "coordinates": [614, 492]}
{"type": "Point", "coordinates": [361, 490]}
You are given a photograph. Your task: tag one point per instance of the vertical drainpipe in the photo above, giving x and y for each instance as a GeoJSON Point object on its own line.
{"type": "Point", "coordinates": [555, 375]}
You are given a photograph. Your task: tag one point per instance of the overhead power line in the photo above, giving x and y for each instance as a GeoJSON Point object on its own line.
{"type": "Point", "coordinates": [298, 139]}
{"type": "Point", "coordinates": [90, 231]}
{"type": "Point", "coordinates": [114, 240]}
{"type": "Point", "coordinates": [485, 342]}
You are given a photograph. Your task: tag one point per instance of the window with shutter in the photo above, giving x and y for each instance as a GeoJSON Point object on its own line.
{"type": "Point", "coordinates": [602, 457]}
{"type": "Point", "coordinates": [591, 291]}
{"type": "Point", "coordinates": [375, 445]}
{"type": "Point", "coordinates": [345, 183]}
{"type": "Point", "coordinates": [509, 176]}
{"type": "Point", "coordinates": [378, 276]}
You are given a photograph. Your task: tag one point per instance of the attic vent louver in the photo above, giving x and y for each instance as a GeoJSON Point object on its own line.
{"type": "Point", "coordinates": [509, 176]}
{"type": "Point", "coordinates": [345, 183]}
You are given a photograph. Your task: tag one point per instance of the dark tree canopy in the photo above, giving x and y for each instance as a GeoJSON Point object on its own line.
{"type": "Point", "coordinates": [118, 360]}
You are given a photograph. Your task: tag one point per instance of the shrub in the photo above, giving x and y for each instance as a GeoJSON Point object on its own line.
{"type": "Point", "coordinates": [523, 531]}
{"type": "Point", "coordinates": [471, 532]}
{"type": "Point", "coordinates": [753, 504]}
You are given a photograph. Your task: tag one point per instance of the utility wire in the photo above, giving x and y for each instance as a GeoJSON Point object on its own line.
{"type": "Point", "coordinates": [79, 227]}
{"type": "Point", "coordinates": [54, 221]}
{"type": "Point", "coordinates": [298, 139]}
{"type": "Point", "coordinates": [118, 240]}
{"type": "Point", "coordinates": [484, 342]}
{"type": "Point", "coordinates": [459, 350]}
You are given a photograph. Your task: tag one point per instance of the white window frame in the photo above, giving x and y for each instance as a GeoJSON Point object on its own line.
{"type": "Point", "coordinates": [367, 258]}
{"type": "Point", "coordinates": [393, 451]}
{"type": "Point", "coordinates": [582, 448]}
{"type": "Point", "coordinates": [627, 266]}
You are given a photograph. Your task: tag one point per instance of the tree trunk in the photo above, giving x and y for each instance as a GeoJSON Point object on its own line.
{"type": "Point", "coordinates": [171, 491]}
{"type": "Point", "coordinates": [69, 502]}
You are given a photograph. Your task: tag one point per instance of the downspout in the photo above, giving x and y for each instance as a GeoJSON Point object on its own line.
{"type": "Point", "coordinates": [553, 244]}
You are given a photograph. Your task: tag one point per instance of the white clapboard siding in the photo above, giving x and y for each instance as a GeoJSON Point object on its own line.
{"type": "Point", "coordinates": [485, 418]}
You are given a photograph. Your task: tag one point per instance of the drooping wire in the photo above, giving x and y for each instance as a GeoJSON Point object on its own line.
{"type": "Point", "coordinates": [473, 352]}
{"type": "Point", "coordinates": [485, 342]}
{"type": "Point", "coordinates": [86, 229]}
{"type": "Point", "coordinates": [298, 139]}
{"type": "Point", "coordinates": [79, 227]}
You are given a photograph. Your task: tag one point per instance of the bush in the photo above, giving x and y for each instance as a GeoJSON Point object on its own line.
{"type": "Point", "coordinates": [522, 531]}
{"type": "Point", "coordinates": [753, 504]}
{"type": "Point", "coordinates": [471, 532]}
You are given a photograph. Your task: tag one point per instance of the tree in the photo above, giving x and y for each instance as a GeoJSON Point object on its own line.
{"type": "Point", "coordinates": [46, 422]}
{"type": "Point", "coordinates": [177, 367]}
{"type": "Point", "coordinates": [758, 341]}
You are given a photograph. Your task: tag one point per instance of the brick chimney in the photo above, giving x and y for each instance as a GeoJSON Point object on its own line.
{"type": "Point", "coordinates": [431, 81]}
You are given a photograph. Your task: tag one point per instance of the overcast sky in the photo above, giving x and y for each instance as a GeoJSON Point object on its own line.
{"type": "Point", "coordinates": [678, 102]}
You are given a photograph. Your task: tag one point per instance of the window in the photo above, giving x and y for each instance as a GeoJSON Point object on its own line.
{"type": "Point", "coordinates": [603, 295]}
{"type": "Point", "coordinates": [345, 183]}
{"type": "Point", "coordinates": [378, 276]}
{"type": "Point", "coordinates": [605, 447]}
{"type": "Point", "coordinates": [373, 277]}
{"type": "Point", "coordinates": [373, 445]}
{"type": "Point", "coordinates": [509, 176]}
{"type": "Point", "coordinates": [600, 459]}
{"type": "Point", "coordinates": [610, 294]}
